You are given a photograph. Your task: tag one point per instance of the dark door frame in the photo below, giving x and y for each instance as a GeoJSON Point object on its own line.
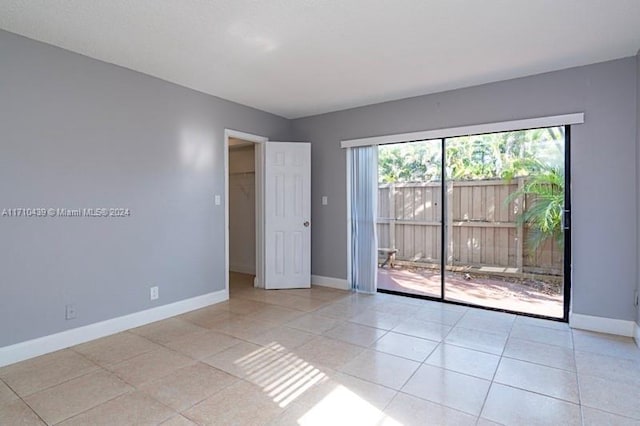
{"type": "Point", "coordinates": [566, 228]}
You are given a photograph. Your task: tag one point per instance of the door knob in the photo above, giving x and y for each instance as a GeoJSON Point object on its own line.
{"type": "Point", "coordinates": [306, 224]}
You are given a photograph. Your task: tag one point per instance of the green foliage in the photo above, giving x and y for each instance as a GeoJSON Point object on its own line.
{"type": "Point", "coordinates": [544, 192]}
{"type": "Point", "coordinates": [411, 162]}
{"type": "Point", "coordinates": [488, 156]}
{"type": "Point", "coordinates": [537, 155]}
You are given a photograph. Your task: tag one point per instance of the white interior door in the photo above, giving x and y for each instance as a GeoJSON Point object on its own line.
{"type": "Point", "coordinates": [287, 216]}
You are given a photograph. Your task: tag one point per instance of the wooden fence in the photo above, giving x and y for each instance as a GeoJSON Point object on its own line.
{"type": "Point", "coordinates": [484, 229]}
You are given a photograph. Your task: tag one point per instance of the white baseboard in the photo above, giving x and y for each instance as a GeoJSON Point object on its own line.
{"type": "Point", "coordinates": [243, 269]}
{"type": "Point", "coordinates": [43, 345]}
{"type": "Point", "coordinates": [339, 283]}
{"type": "Point", "coordinates": [602, 325]}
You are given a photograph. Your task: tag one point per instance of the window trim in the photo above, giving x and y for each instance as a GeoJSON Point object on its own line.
{"type": "Point", "coordinates": [502, 126]}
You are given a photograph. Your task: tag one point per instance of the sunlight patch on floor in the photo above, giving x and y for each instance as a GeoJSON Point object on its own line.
{"type": "Point", "coordinates": [285, 377]}
{"type": "Point", "coordinates": [282, 375]}
{"type": "Point", "coordinates": [342, 406]}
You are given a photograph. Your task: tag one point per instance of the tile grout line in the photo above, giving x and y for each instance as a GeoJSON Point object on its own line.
{"type": "Point", "coordinates": [341, 321]}
{"type": "Point", "coordinates": [526, 361]}
{"type": "Point", "coordinates": [97, 368]}
{"type": "Point", "coordinates": [122, 360]}
{"type": "Point", "coordinates": [95, 406]}
{"type": "Point", "coordinates": [575, 362]}
{"type": "Point", "coordinates": [440, 343]}
{"type": "Point", "coordinates": [32, 410]}
{"type": "Point", "coordinates": [486, 397]}
{"type": "Point", "coordinates": [134, 388]}
{"type": "Point", "coordinates": [20, 398]}
{"type": "Point", "coordinates": [9, 387]}
{"type": "Point", "coordinates": [399, 391]}
{"type": "Point", "coordinates": [181, 412]}
{"type": "Point", "coordinates": [452, 327]}
{"type": "Point", "coordinates": [624, 416]}
{"type": "Point", "coordinates": [137, 389]}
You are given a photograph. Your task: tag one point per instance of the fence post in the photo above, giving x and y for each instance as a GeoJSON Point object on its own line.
{"type": "Point", "coordinates": [392, 216]}
{"type": "Point", "coordinates": [520, 229]}
{"type": "Point", "coordinates": [448, 231]}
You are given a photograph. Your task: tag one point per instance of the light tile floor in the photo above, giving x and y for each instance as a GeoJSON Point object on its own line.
{"type": "Point", "coordinates": [329, 357]}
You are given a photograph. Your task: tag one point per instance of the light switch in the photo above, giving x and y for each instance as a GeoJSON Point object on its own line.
{"type": "Point", "coordinates": [325, 200]}
{"type": "Point", "coordinates": [217, 198]}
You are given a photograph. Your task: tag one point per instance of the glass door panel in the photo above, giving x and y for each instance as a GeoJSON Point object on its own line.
{"type": "Point", "coordinates": [504, 236]}
{"type": "Point", "coordinates": [409, 221]}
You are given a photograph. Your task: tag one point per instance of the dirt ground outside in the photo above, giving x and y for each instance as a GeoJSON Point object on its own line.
{"type": "Point", "coordinates": [513, 294]}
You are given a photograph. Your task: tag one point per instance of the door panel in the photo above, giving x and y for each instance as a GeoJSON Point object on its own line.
{"type": "Point", "coordinates": [504, 221]}
{"type": "Point", "coordinates": [287, 215]}
{"type": "Point", "coordinates": [409, 222]}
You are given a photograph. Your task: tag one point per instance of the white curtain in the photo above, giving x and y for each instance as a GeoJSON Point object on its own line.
{"type": "Point", "coordinates": [363, 188]}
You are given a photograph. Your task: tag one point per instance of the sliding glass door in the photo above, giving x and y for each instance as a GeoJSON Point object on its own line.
{"type": "Point", "coordinates": [479, 220]}
{"type": "Point", "coordinates": [505, 237]}
{"type": "Point", "coordinates": [410, 218]}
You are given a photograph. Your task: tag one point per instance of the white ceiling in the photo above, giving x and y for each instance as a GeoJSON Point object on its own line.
{"type": "Point", "coordinates": [302, 57]}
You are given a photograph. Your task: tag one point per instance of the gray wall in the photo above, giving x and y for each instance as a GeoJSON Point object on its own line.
{"type": "Point", "coordinates": [76, 132]}
{"type": "Point", "coordinates": [603, 167]}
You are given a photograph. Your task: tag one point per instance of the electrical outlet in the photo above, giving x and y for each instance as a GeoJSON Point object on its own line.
{"type": "Point", "coordinates": [325, 200]}
{"type": "Point", "coordinates": [217, 200]}
{"type": "Point", "coordinates": [154, 293]}
{"type": "Point", "coordinates": [70, 312]}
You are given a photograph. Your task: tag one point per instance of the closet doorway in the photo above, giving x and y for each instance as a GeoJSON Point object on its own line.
{"type": "Point", "coordinates": [245, 212]}
{"type": "Point", "coordinates": [242, 207]}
